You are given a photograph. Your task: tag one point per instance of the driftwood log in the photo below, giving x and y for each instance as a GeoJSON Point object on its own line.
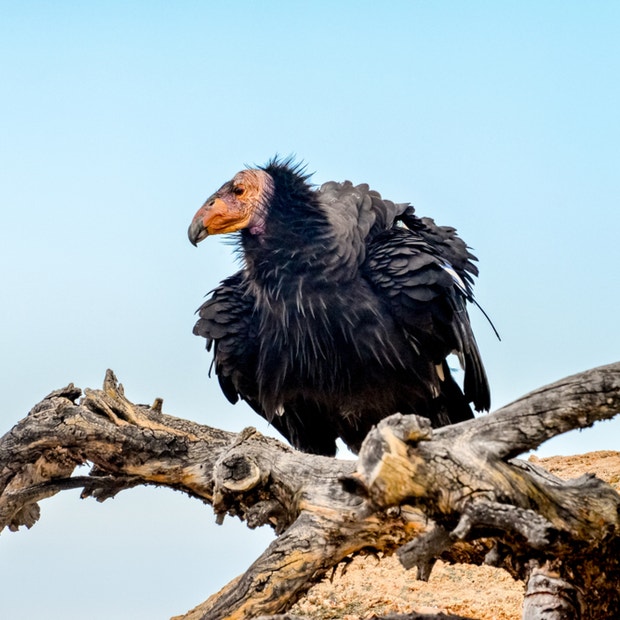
{"type": "Point", "coordinates": [455, 493]}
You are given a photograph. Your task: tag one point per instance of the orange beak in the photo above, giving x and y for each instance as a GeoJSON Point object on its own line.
{"type": "Point", "coordinates": [215, 217]}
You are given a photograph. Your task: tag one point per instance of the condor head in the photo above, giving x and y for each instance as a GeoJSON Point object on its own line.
{"type": "Point", "coordinates": [239, 203]}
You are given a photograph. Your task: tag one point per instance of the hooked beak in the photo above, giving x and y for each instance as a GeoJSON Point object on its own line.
{"type": "Point", "coordinates": [217, 217]}
{"type": "Point", "coordinates": [199, 228]}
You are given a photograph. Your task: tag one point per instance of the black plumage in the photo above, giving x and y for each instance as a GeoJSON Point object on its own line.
{"type": "Point", "coordinates": [344, 311]}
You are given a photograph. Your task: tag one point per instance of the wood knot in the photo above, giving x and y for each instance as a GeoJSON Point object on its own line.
{"type": "Point", "coordinates": [237, 473]}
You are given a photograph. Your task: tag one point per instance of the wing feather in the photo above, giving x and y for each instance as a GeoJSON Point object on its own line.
{"type": "Point", "coordinates": [425, 271]}
{"type": "Point", "coordinates": [412, 268]}
{"type": "Point", "coordinates": [228, 321]}
{"type": "Point", "coordinates": [226, 324]}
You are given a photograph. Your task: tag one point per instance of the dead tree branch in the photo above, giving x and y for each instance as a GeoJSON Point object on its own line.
{"type": "Point", "coordinates": [452, 492]}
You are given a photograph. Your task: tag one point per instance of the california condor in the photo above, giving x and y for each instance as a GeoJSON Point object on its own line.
{"type": "Point", "coordinates": [345, 309]}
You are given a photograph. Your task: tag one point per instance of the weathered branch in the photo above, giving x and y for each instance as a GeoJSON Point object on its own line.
{"type": "Point", "coordinates": [460, 477]}
{"type": "Point", "coordinates": [451, 492]}
{"type": "Point", "coordinates": [254, 477]}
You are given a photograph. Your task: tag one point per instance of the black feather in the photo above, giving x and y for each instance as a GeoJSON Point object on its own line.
{"type": "Point", "coordinates": [344, 313]}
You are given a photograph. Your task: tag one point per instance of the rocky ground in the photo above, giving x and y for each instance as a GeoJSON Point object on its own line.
{"type": "Point", "coordinates": [370, 586]}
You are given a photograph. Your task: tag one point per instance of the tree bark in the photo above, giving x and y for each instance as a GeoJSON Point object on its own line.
{"type": "Point", "coordinates": [455, 492]}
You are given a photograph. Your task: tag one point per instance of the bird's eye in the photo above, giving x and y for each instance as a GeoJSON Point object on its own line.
{"type": "Point", "coordinates": [238, 190]}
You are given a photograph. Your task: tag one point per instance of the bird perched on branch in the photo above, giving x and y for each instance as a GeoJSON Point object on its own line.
{"type": "Point", "coordinates": [344, 311]}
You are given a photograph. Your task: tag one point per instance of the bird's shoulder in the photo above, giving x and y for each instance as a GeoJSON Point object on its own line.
{"type": "Point", "coordinates": [356, 211]}
{"type": "Point", "coordinates": [356, 215]}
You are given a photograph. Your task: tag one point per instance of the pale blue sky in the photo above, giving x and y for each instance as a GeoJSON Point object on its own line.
{"type": "Point", "coordinates": [119, 118]}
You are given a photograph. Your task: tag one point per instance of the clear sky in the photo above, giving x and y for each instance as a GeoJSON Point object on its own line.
{"type": "Point", "coordinates": [120, 118]}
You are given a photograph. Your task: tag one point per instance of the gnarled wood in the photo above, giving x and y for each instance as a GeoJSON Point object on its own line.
{"type": "Point", "coordinates": [453, 492]}
{"type": "Point", "coordinates": [463, 479]}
